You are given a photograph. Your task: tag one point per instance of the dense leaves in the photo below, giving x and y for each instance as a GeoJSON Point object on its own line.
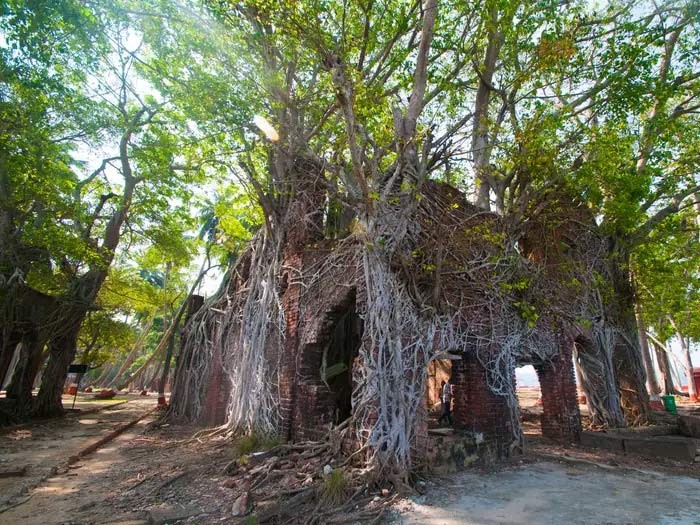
{"type": "Point", "coordinates": [128, 147]}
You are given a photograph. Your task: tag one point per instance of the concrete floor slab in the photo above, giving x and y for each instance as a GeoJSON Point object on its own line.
{"type": "Point", "coordinates": [553, 493]}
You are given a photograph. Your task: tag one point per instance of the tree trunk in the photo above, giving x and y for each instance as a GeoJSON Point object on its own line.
{"type": "Point", "coordinates": [82, 292]}
{"type": "Point", "coordinates": [26, 370]}
{"type": "Point", "coordinates": [131, 357]}
{"type": "Point", "coordinates": [193, 303]}
{"type": "Point", "coordinates": [481, 145]}
{"type": "Point", "coordinates": [8, 349]}
{"type": "Point", "coordinates": [577, 369]}
{"type": "Point", "coordinates": [685, 345]}
{"type": "Point", "coordinates": [627, 357]}
{"type": "Point", "coordinates": [598, 379]}
{"type": "Point", "coordinates": [166, 370]}
{"type": "Point", "coordinates": [654, 387]}
{"type": "Point", "coordinates": [105, 376]}
{"type": "Point", "coordinates": [688, 361]}
{"type": "Point", "coordinates": [62, 350]}
{"type": "Point", "coordinates": [665, 368]}
{"type": "Point", "coordinates": [629, 367]}
{"type": "Point", "coordinates": [152, 358]}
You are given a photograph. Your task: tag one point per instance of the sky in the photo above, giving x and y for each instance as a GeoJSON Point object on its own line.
{"type": "Point", "coordinates": [526, 375]}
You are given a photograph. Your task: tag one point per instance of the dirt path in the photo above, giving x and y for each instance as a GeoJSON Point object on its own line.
{"type": "Point", "coordinates": [167, 476]}
{"type": "Point", "coordinates": [42, 450]}
{"type": "Point", "coordinates": [139, 478]}
{"type": "Point", "coordinates": [76, 496]}
{"type": "Point", "coordinates": [550, 492]}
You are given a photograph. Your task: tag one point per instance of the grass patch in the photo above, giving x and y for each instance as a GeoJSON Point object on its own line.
{"type": "Point", "coordinates": [251, 519]}
{"type": "Point", "coordinates": [254, 442]}
{"type": "Point", "coordinates": [96, 401]}
{"type": "Point", "coordinates": [335, 489]}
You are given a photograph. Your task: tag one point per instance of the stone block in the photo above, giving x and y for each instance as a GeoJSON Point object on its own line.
{"type": "Point", "coordinates": [165, 514]}
{"type": "Point", "coordinates": [674, 447]}
{"type": "Point", "coordinates": [602, 440]}
{"type": "Point", "coordinates": [689, 426]}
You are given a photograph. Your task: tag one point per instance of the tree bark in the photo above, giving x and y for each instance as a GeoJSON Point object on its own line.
{"type": "Point", "coordinates": [106, 375]}
{"type": "Point", "coordinates": [81, 296]}
{"type": "Point", "coordinates": [138, 345]}
{"type": "Point", "coordinates": [62, 350]}
{"type": "Point", "coordinates": [696, 207]}
{"type": "Point", "coordinates": [688, 361]}
{"type": "Point", "coordinates": [598, 379]}
{"type": "Point", "coordinates": [20, 388]}
{"type": "Point", "coordinates": [692, 392]}
{"type": "Point", "coordinates": [193, 303]}
{"type": "Point", "coordinates": [480, 145]}
{"type": "Point", "coordinates": [577, 369]}
{"type": "Point", "coordinates": [666, 372]}
{"type": "Point", "coordinates": [166, 369]}
{"type": "Point", "coordinates": [8, 348]}
{"type": "Point", "coordinates": [627, 357]}
{"type": "Point", "coordinates": [654, 387]}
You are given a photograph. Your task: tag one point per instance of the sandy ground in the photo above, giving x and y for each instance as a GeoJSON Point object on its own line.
{"type": "Point", "coordinates": [80, 494]}
{"type": "Point", "coordinates": [86, 401]}
{"type": "Point", "coordinates": [42, 449]}
{"type": "Point", "coordinates": [157, 476]}
{"type": "Point", "coordinates": [547, 492]}
{"type": "Point", "coordinates": [141, 477]}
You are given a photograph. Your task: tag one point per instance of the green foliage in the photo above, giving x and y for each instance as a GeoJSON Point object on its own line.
{"type": "Point", "coordinates": [140, 111]}
{"type": "Point", "coordinates": [667, 274]}
{"type": "Point", "coordinates": [334, 489]}
{"type": "Point", "coordinates": [254, 442]}
{"type": "Point", "coordinates": [102, 337]}
{"type": "Point", "coordinates": [251, 519]}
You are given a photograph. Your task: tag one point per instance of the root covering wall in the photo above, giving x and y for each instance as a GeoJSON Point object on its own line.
{"type": "Point", "coordinates": [311, 329]}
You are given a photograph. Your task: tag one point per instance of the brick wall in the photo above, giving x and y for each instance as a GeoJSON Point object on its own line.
{"type": "Point", "coordinates": [476, 408]}
{"type": "Point", "coordinates": [561, 419]}
{"type": "Point", "coordinates": [217, 396]}
{"type": "Point", "coordinates": [288, 359]}
{"type": "Point", "coordinates": [315, 403]}
{"type": "Point", "coordinates": [303, 226]}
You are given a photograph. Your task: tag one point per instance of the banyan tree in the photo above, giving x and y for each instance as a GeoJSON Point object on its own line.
{"type": "Point", "coordinates": [367, 268]}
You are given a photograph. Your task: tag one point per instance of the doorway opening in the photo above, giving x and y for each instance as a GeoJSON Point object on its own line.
{"type": "Point", "coordinates": [337, 362]}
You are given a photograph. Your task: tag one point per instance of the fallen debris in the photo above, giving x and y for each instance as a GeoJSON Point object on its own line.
{"type": "Point", "coordinates": [689, 426]}
{"type": "Point", "coordinates": [14, 473]}
{"type": "Point", "coordinates": [309, 482]}
{"type": "Point", "coordinates": [105, 394]}
{"type": "Point", "coordinates": [165, 514]}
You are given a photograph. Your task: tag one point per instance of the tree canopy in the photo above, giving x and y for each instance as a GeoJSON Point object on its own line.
{"type": "Point", "coordinates": [139, 137]}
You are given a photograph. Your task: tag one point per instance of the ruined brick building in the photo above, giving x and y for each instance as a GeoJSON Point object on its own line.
{"type": "Point", "coordinates": [455, 262]}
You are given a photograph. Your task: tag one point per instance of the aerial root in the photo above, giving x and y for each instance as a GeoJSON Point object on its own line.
{"type": "Point", "coordinates": [310, 483]}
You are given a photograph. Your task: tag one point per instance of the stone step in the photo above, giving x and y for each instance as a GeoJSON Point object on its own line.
{"type": "Point", "coordinates": [673, 447]}
{"type": "Point", "coordinates": [689, 425]}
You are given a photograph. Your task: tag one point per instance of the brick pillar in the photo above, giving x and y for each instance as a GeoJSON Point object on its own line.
{"type": "Point", "coordinates": [313, 412]}
{"type": "Point", "coordinates": [561, 419]}
{"type": "Point", "coordinates": [290, 301]}
{"type": "Point", "coordinates": [476, 408]}
{"type": "Point", "coordinates": [216, 397]}
{"type": "Point", "coordinates": [303, 226]}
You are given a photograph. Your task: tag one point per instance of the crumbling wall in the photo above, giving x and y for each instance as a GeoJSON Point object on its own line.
{"type": "Point", "coordinates": [315, 409]}
{"type": "Point", "coordinates": [478, 409]}
{"type": "Point", "coordinates": [561, 419]}
{"type": "Point", "coordinates": [445, 286]}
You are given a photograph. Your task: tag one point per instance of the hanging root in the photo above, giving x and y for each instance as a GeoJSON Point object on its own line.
{"type": "Point", "coordinates": [429, 277]}
{"type": "Point", "coordinates": [233, 333]}
{"type": "Point", "coordinates": [257, 323]}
